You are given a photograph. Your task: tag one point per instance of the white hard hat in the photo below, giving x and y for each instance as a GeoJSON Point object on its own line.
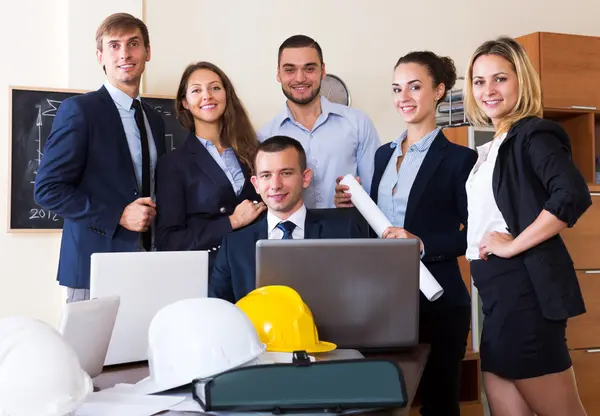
{"type": "Point", "coordinates": [197, 338]}
{"type": "Point", "coordinates": [39, 372]}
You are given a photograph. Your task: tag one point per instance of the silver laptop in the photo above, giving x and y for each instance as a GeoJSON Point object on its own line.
{"type": "Point", "coordinates": [87, 327]}
{"type": "Point", "coordinates": [363, 293]}
{"type": "Point", "coordinates": [145, 282]}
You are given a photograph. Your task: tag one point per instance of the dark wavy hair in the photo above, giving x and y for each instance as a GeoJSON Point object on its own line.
{"type": "Point", "coordinates": [236, 128]}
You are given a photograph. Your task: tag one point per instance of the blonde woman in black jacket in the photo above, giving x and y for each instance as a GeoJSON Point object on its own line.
{"type": "Point", "coordinates": [523, 190]}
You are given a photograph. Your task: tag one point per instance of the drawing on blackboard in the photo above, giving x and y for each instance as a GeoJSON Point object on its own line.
{"type": "Point", "coordinates": [51, 112]}
{"type": "Point", "coordinates": [32, 114]}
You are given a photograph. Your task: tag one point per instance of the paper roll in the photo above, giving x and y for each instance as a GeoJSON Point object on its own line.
{"type": "Point", "coordinates": [379, 223]}
{"type": "Point", "coordinates": [366, 206]}
{"type": "Point", "coordinates": [428, 284]}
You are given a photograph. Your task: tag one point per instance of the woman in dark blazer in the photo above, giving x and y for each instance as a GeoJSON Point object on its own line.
{"type": "Point", "coordinates": [419, 184]}
{"type": "Point", "coordinates": [203, 188]}
{"type": "Point", "coordinates": [523, 190]}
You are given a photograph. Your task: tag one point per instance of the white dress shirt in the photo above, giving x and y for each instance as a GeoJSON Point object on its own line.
{"type": "Point", "coordinates": [298, 218]}
{"type": "Point", "coordinates": [484, 214]}
{"type": "Point", "coordinates": [132, 133]}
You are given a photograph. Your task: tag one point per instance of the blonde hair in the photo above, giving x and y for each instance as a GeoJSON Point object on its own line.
{"type": "Point", "coordinates": [529, 99]}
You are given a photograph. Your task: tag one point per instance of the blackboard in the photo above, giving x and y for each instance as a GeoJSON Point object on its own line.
{"type": "Point", "coordinates": [32, 112]}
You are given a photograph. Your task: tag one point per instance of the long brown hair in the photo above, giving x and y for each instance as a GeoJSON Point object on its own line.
{"type": "Point", "coordinates": [236, 128]}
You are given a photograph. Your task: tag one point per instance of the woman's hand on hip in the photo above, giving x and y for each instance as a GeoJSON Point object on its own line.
{"type": "Point", "coordinates": [498, 244]}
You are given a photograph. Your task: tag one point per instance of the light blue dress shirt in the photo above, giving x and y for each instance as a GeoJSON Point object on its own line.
{"type": "Point", "coordinates": [343, 141]}
{"type": "Point", "coordinates": [229, 164]}
{"type": "Point", "coordinates": [393, 205]}
{"type": "Point", "coordinates": [132, 133]}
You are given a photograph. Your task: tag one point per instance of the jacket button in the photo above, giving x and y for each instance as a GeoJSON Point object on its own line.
{"type": "Point", "coordinates": [222, 210]}
{"type": "Point", "coordinates": [136, 192]}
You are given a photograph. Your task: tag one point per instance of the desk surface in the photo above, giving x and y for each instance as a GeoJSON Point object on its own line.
{"type": "Point", "coordinates": [412, 362]}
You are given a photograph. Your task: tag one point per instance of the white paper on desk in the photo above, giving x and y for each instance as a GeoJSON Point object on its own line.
{"type": "Point", "coordinates": [188, 404]}
{"type": "Point", "coordinates": [379, 223]}
{"type": "Point", "coordinates": [125, 404]}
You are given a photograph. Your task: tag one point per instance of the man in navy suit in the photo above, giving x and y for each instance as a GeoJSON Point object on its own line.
{"type": "Point", "coordinates": [97, 170]}
{"type": "Point", "coordinates": [280, 178]}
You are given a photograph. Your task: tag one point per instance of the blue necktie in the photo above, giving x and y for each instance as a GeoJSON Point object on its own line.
{"type": "Point", "coordinates": [287, 227]}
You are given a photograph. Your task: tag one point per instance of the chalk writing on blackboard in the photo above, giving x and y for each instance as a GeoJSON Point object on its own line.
{"type": "Point", "coordinates": [32, 114]}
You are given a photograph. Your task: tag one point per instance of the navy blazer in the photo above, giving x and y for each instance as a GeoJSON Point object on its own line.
{"type": "Point", "coordinates": [534, 167]}
{"type": "Point", "coordinates": [234, 272]}
{"type": "Point", "coordinates": [86, 176]}
{"type": "Point", "coordinates": [194, 199]}
{"type": "Point", "coordinates": [435, 212]}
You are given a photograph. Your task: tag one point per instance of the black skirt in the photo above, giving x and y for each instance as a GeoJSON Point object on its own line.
{"type": "Point", "coordinates": [517, 342]}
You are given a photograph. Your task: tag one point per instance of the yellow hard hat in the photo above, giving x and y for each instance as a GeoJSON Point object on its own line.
{"type": "Point", "coordinates": [283, 321]}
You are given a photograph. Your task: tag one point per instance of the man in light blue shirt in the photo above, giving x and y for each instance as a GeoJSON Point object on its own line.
{"type": "Point", "coordinates": [338, 140]}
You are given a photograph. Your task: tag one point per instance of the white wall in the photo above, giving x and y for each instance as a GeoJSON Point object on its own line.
{"type": "Point", "coordinates": [84, 71]}
{"type": "Point", "coordinates": [50, 43]}
{"type": "Point", "coordinates": [35, 36]}
{"type": "Point", "coordinates": [361, 40]}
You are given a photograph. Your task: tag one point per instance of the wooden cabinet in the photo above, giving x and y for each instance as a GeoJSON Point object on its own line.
{"type": "Point", "coordinates": [583, 331]}
{"type": "Point", "coordinates": [569, 68]}
{"type": "Point", "coordinates": [583, 240]}
{"type": "Point", "coordinates": [458, 135]}
{"type": "Point", "coordinates": [581, 128]}
{"type": "Point", "coordinates": [586, 364]}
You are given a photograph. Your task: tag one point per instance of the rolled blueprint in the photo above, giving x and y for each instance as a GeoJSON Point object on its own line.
{"type": "Point", "coordinates": [379, 223]}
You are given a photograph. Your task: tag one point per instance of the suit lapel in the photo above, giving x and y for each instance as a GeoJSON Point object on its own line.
{"type": "Point", "coordinates": [312, 227]}
{"type": "Point", "coordinates": [434, 156]}
{"type": "Point", "coordinates": [209, 166]}
{"type": "Point", "coordinates": [261, 231]}
{"type": "Point", "coordinates": [496, 175]}
{"type": "Point", "coordinates": [248, 191]}
{"type": "Point", "coordinates": [381, 161]}
{"type": "Point", "coordinates": [114, 119]}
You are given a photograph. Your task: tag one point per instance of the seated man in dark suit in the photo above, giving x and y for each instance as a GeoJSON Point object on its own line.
{"type": "Point", "coordinates": [281, 176]}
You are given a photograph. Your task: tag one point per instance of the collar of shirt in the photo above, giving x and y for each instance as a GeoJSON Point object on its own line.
{"type": "Point", "coordinates": [208, 143]}
{"type": "Point", "coordinates": [484, 150]}
{"type": "Point", "coordinates": [326, 109]}
{"type": "Point", "coordinates": [298, 218]}
{"type": "Point", "coordinates": [422, 145]}
{"type": "Point", "coordinates": [119, 96]}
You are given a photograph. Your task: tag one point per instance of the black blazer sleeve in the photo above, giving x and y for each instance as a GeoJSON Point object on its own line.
{"type": "Point", "coordinates": [173, 230]}
{"type": "Point", "coordinates": [450, 245]}
{"type": "Point", "coordinates": [550, 155]}
{"type": "Point", "coordinates": [220, 284]}
{"type": "Point", "coordinates": [62, 169]}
